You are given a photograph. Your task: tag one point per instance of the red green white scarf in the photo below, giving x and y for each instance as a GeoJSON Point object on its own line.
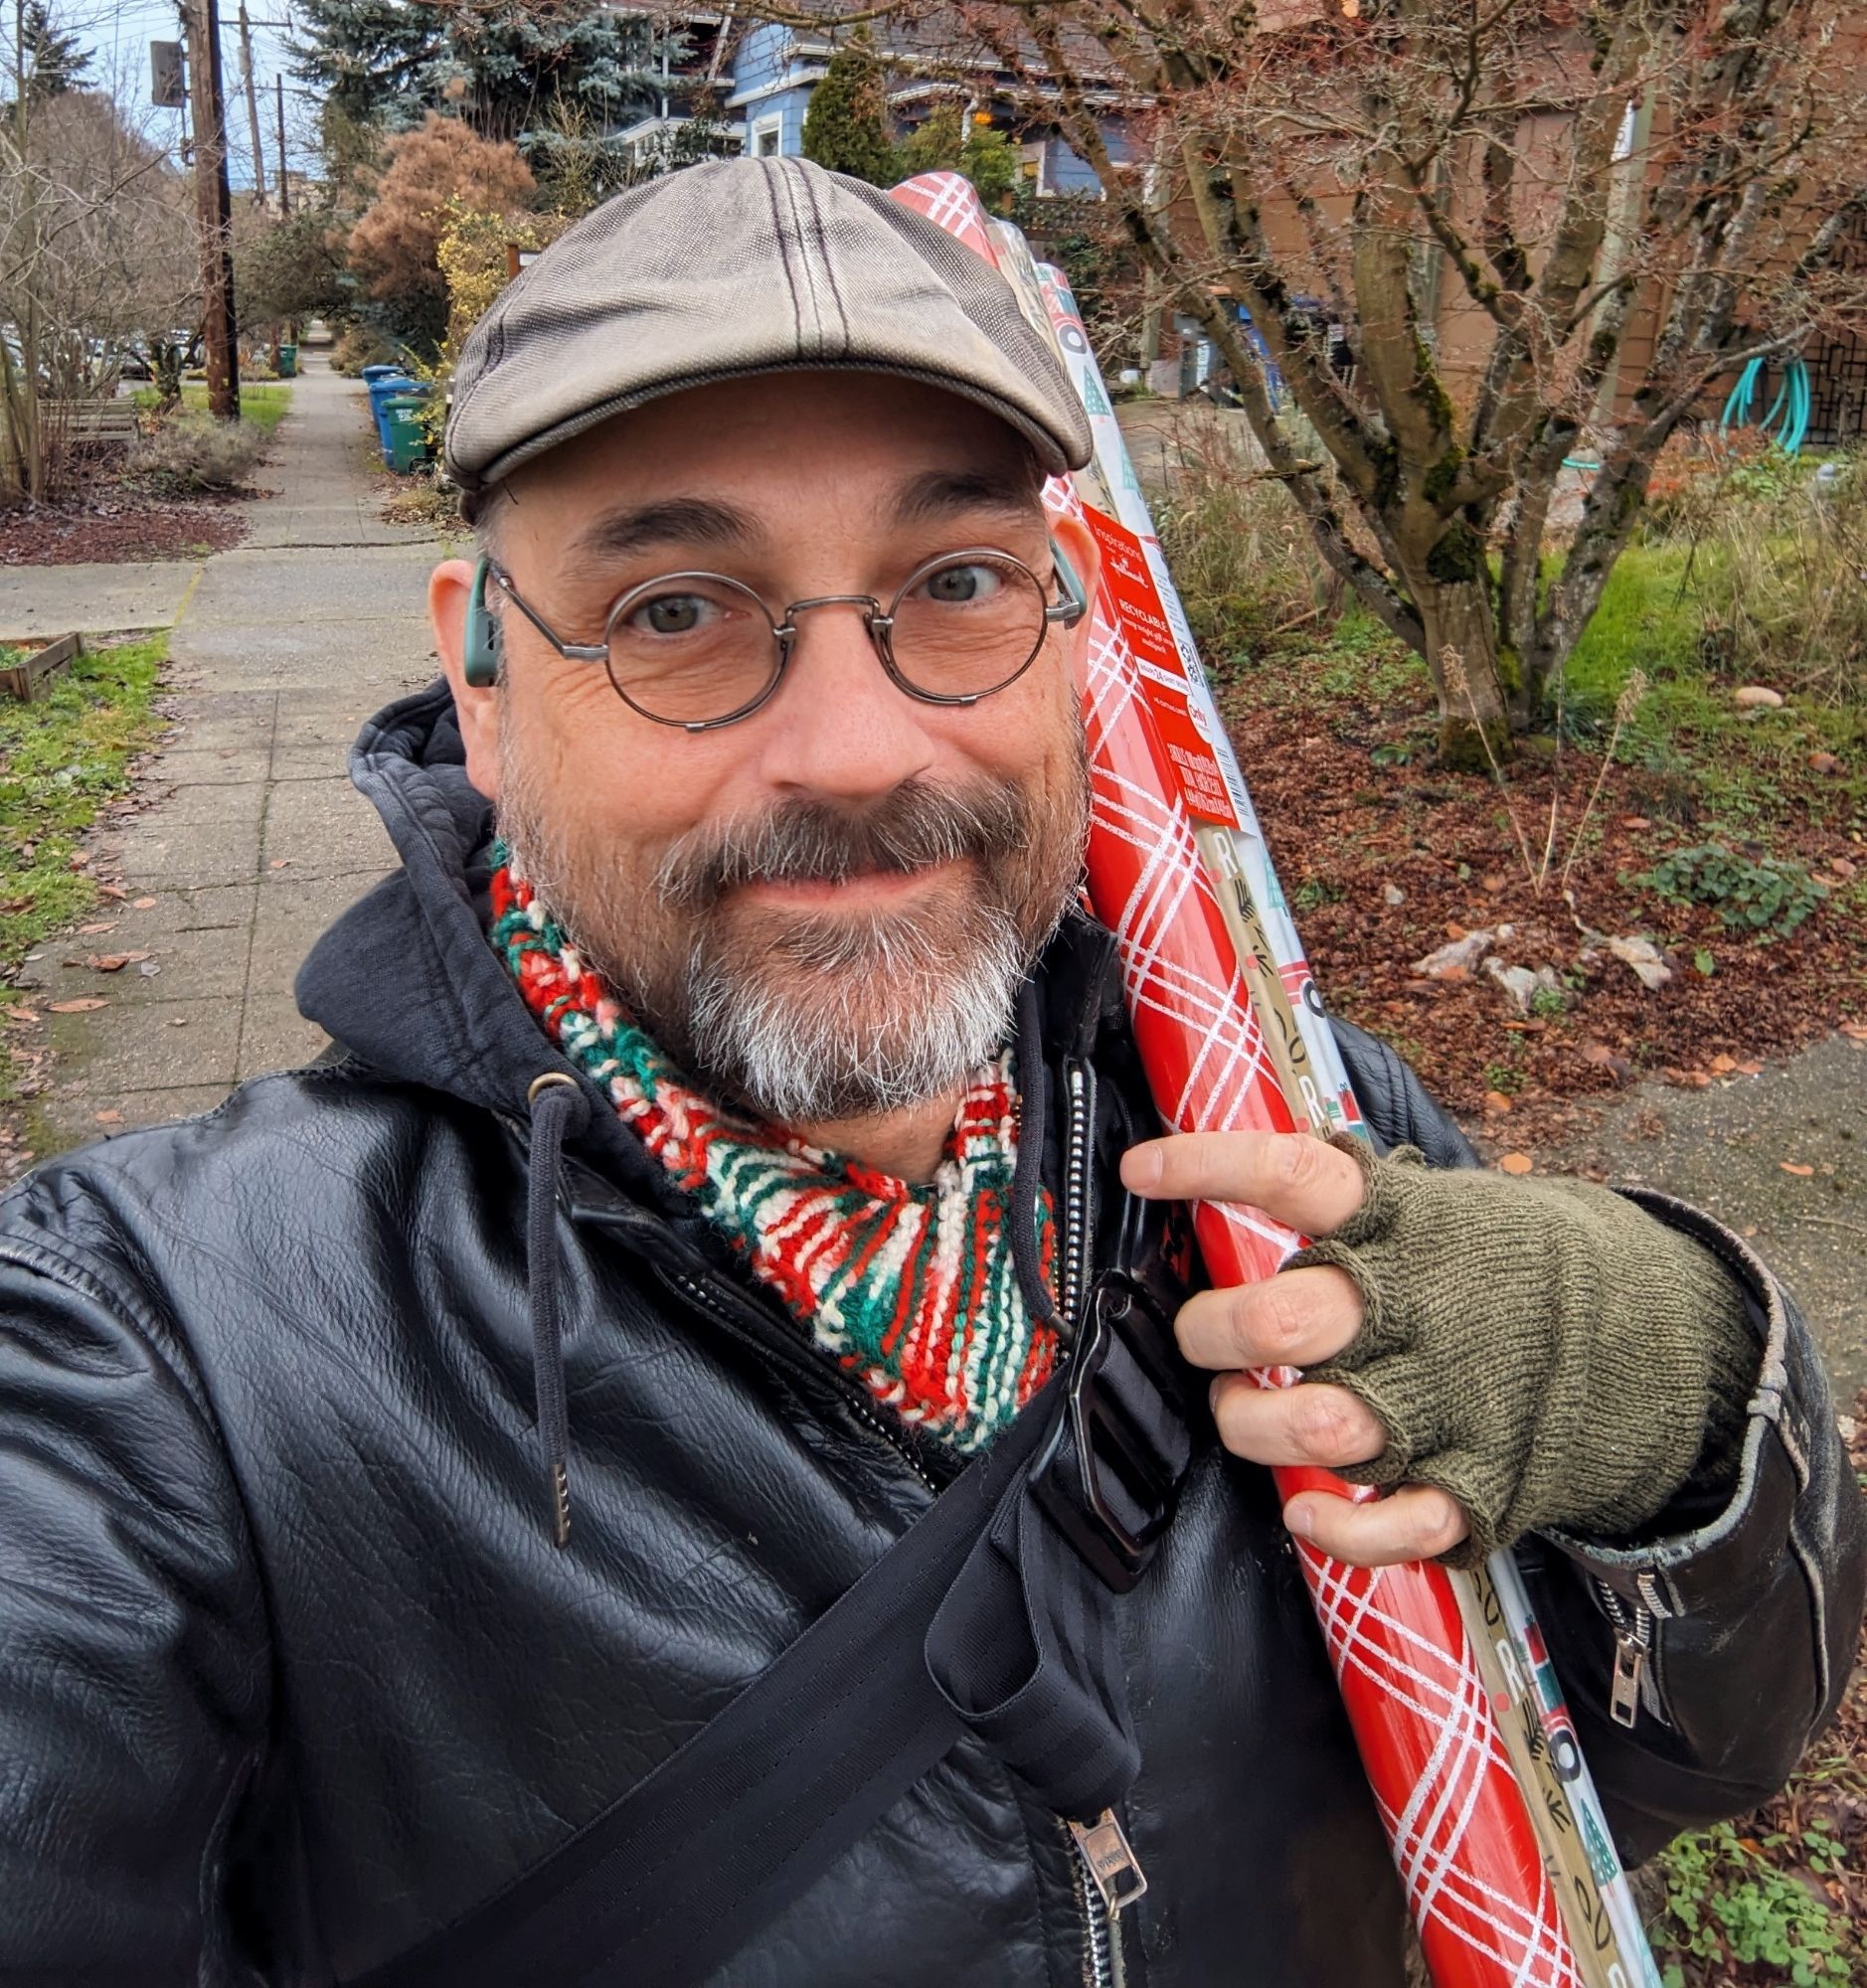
{"type": "Point", "coordinates": [910, 1285]}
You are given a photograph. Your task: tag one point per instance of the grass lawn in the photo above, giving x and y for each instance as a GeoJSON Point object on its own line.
{"type": "Point", "coordinates": [263, 405]}
{"type": "Point", "coordinates": [61, 760]}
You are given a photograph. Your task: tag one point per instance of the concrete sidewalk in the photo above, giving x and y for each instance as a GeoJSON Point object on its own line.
{"type": "Point", "coordinates": [280, 650]}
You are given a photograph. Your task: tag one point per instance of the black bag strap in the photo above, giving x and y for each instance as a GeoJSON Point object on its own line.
{"type": "Point", "coordinates": [1002, 1601]}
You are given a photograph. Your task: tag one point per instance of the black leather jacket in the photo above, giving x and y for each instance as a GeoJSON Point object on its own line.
{"type": "Point", "coordinates": [291, 1672]}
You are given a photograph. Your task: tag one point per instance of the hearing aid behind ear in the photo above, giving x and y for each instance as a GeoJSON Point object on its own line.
{"type": "Point", "coordinates": [479, 648]}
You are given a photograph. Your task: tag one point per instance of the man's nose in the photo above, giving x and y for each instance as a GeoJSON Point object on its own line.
{"type": "Point", "coordinates": [839, 724]}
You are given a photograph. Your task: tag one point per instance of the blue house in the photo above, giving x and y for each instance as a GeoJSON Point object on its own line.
{"type": "Point", "coordinates": [762, 75]}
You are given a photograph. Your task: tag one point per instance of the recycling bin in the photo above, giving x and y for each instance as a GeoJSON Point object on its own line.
{"type": "Point", "coordinates": [404, 439]}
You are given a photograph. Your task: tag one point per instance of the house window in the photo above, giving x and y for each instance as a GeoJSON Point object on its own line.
{"type": "Point", "coordinates": [768, 139]}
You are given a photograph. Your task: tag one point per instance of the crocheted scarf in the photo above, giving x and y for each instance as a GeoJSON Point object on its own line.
{"type": "Point", "coordinates": [909, 1285]}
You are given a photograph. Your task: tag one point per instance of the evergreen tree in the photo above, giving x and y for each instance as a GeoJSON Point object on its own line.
{"type": "Point", "coordinates": [50, 60]}
{"type": "Point", "coordinates": [512, 71]}
{"type": "Point", "coordinates": [948, 142]}
{"type": "Point", "coordinates": [846, 128]}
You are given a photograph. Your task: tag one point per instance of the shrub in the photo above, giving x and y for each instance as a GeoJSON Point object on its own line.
{"type": "Point", "coordinates": [188, 456]}
{"type": "Point", "coordinates": [358, 346]}
{"type": "Point", "coordinates": [1240, 554]}
{"type": "Point", "coordinates": [1766, 896]}
{"type": "Point", "coordinates": [1778, 545]}
{"type": "Point", "coordinates": [392, 247]}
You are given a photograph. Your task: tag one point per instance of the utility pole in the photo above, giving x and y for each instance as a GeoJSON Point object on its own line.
{"type": "Point", "coordinates": [252, 107]}
{"type": "Point", "coordinates": [285, 183]}
{"type": "Point", "coordinates": [214, 213]}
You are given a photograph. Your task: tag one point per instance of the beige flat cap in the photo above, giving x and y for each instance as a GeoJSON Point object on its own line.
{"type": "Point", "coordinates": [735, 267]}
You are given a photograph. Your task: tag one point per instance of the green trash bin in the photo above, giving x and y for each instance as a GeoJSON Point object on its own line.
{"type": "Point", "coordinates": [288, 362]}
{"type": "Point", "coordinates": [406, 446]}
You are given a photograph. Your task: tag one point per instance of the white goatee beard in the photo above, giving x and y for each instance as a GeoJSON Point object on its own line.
{"type": "Point", "coordinates": [804, 1062]}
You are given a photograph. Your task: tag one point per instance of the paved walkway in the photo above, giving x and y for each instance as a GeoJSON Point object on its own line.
{"type": "Point", "coordinates": [255, 840]}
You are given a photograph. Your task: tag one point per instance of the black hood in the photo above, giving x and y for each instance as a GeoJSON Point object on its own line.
{"type": "Point", "coordinates": [405, 979]}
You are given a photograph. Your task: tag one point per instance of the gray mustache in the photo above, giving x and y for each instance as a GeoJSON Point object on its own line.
{"type": "Point", "coordinates": [817, 842]}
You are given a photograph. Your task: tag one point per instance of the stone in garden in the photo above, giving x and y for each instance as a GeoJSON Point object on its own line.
{"type": "Point", "coordinates": [1757, 697]}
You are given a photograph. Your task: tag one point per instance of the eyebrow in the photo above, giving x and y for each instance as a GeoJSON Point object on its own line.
{"type": "Point", "coordinates": [691, 521]}
{"type": "Point", "coordinates": [951, 493]}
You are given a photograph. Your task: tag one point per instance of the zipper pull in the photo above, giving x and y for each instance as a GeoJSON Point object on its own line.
{"type": "Point", "coordinates": [1109, 1859]}
{"type": "Point", "coordinates": [1623, 1692]}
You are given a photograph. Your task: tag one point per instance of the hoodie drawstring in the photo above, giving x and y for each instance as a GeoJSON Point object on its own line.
{"type": "Point", "coordinates": [558, 1107]}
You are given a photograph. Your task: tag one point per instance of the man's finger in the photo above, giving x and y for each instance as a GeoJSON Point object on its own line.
{"type": "Point", "coordinates": [1419, 1522]}
{"type": "Point", "coordinates": [1311, 1423]}
{"type": "Point", "coordinates": [1295, 1319]}
{"type": "Point", "coordinates": [1302, 1182]}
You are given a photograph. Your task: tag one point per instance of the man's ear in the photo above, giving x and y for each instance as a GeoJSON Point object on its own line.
{"type": "Point", "coordinates": [1076, 543]}
{"type": "Point", "coordinates": [450, 594]}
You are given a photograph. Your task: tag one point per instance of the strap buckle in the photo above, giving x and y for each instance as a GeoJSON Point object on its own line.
{"type": "Point", "coordinates": [1110, 1473]}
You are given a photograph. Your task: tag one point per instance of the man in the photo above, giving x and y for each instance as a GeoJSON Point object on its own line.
{"type": "Point", "coordinates": [405, 1462]}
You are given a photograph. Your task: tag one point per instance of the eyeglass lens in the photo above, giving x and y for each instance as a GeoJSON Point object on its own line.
{"type": "Point", "coordinates": [698, 647]}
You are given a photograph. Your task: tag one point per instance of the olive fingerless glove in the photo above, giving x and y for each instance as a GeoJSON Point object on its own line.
{"type": "Point", "coordinates": [1545, 1351]}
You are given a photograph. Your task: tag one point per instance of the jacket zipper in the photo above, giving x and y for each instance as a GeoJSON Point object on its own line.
{"type": "Point", "coordinates": [1105, 1871]}
{"type": "Point", "coordinates": [1633, 1651]}
{"type": "Point", "coordinates": [1074, 1258]}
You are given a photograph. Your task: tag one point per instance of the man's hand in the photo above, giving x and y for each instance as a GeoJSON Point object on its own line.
{"type": "Point", "coordinates": [1505, 1356]}
{"type": "Point", "coordinates": [1298, 1318]}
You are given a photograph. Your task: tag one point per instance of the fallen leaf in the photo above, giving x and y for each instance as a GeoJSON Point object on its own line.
{"type": "Point", "coordinates": [1796, 1168]}
{"type": "Point", "coordinates": [24, 1015]}
{"type": "Point", "coordinates": [1645, 957]}
{"type": "Point", "coordinates": [1596, 1053]}
{"type": "Point", "coordinates": [1858, 1030]}
{"type": "Point", "coordinates": [1749, 1069]}
{"type": "Point", "coordinates": [115, 891]}
{"type": "Point", "coordinates": [109, 1117]}
{"type": "Point", "coordinates": [145, 905]}
{"type": "Point", "coordinates": [90, 931]}
{"type": "Point", "coordinates": [1495, 1100]}
{"type": "Point", "coordinates": [1464, 951]}
{"type": "Point", "coordinates": [1516, 1162]}
{"type": "Point", "coordinates": [1824, 762]}
{"type": "Point", "coordinates": [1634, 821]}
{"type": "Point", "coordinates": [1492, 886]}
{"type": "Point", "coordinates": [280, 862]}
{"type": "Point", "coordinates": [1723, 1066]}
{"type": "Point", "coordinates": [1840, 865]}
{"type": "Point", "coordinates": [81, 859]}
{"type": "Point", "coordinates": [83, 1006]}
{"type": "Point", "coordinates": [114, 962]}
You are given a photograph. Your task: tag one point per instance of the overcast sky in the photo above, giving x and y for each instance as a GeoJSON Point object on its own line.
{"type": "Point", "coordinates": [121, 30]}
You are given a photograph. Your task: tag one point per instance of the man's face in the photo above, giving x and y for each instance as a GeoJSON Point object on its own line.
{"type": "Point", "coordinates": [823, 909]}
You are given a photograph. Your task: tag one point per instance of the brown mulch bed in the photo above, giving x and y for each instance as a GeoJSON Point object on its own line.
{"type": "Point", "coordinates": [1348, 833]}
{"type": "Point", "coordinates": [107, 531]}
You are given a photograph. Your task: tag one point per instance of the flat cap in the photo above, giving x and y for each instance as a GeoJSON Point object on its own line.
{"type": "Point", "coordinates": [735, 267]}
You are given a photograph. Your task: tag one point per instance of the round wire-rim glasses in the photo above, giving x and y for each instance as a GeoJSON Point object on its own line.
{"type": "Point", "coordinates": [879, 622]}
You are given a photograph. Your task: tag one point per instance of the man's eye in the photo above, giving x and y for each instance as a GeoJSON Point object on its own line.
{"type": "Point", "coordinates": [961, 586]}
{"type": "Point", "coordinates": [674, 615]}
